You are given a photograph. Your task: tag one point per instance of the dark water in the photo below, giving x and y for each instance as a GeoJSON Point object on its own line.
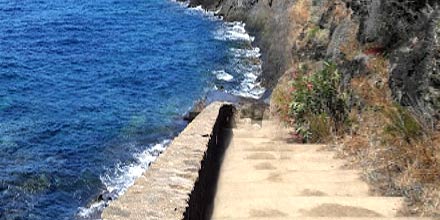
{"type": "Point", "coordinates": [91, 92]}
{"type": "Point", "coordinates": [86, 87]}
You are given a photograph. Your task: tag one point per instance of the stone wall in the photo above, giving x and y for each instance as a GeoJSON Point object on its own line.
{"type": "Point", "coordinates": [180, 184]}
{"type": "Point", "coordinates": [202, 197]}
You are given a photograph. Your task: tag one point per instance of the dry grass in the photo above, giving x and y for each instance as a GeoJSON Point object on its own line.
{"type": "Point", "coordinates": [299, 17]}
{"type": "Point", "coordinates": [351, 48]}
{"type": "Point", "coordinates": [281, 96]}
{"type": "Point", "coordinates": [397, 154]}
{"type": "Point", "coordinates": [372, 90]}
{"type": "Point", "coordinates": [300, 12]}
{"type": "Point", "coordinates": [320, 127]}
{"type": "Point", "coordinates": [340, 12]}
{"type": "Point", "coordinates": [379, 65]}
{"type": "Point", "coordinates": [281, 100]}
{"type": "Point", "coordinates": [420, 177]}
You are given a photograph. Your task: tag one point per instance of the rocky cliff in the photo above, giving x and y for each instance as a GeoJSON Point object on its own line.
{"type": "Point", "coordinates": [398, 39]}
{"type": "Point", "coordinates": [341, 70]}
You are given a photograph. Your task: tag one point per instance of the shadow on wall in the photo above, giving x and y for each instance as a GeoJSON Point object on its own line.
{"type": "Point", "coordinates": [201, 203]}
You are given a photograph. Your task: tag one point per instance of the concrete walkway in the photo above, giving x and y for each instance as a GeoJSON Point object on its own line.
{"type": "Point", "coordinates": [264, 177]}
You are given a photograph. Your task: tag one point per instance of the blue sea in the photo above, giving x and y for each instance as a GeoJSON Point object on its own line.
{"type": "Point", "coordinates": [91, 92]}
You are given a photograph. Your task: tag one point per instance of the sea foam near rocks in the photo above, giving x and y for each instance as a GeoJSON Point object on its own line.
{"type": "Point", "coordinates": [233, 31]}
{"type": "Point", "coordinates": [124, 175]}
{"type": "Point", "coordinates": [223, 75]}
{"type": "Point", "coordinates": [246, 62]}
{"type": "Point", "coordinates": [246, 59]}
{"type": "Point", "coordinates": [119, 179]}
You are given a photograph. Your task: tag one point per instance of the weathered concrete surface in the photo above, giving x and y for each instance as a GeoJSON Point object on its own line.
{"type": "Point", "coordinates": [172, 186]}
{"type": "Point", "coordinates": [263, 176]}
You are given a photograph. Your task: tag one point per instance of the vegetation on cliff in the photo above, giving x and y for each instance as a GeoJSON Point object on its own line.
{"type": "Point", "coordinates": [382, 106]}
{"type": "Point", "coordinates": [319, 104]}
{"type": "Point", "coordinates": [361, 74]}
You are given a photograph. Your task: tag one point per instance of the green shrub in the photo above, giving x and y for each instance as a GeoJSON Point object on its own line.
{"type": "Point", "coordinates": [402, 125]}
{"type": "Point", "coordinates": [320, 128]}
{"type": "Point", "coordinates": [312, 32]}
{"type": "Point", "coordinates": [319, 94]}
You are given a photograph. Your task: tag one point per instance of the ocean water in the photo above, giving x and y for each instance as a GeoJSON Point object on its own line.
{"type": "Point", "coordinates": [92, 91]}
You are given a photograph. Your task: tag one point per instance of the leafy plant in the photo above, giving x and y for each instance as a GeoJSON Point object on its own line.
{"type": "Point", "coordinates": [318, 94]}
{"type": "Point", "coordinates": [402, 125]}
{"type": "Point", "coordinates": [312, 32]}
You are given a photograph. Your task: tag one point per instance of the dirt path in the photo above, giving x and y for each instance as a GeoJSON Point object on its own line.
{"type": "Point", "coordinates": [265, 177]}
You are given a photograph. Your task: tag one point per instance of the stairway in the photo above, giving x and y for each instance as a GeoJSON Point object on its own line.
{"type": "Point", "coordinates": [263, 176]}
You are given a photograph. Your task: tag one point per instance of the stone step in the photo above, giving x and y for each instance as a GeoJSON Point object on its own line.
{"type": "Point", "coordinates": [246, 142]}
{"type": "Point", "coordinates": [293, 157]}
{"type": "Point", "coordinates": [292, 177]}
{"type": "Point", "coordinates": [279, 189]}
{"type": "Point", "coordinates": [286, 165]}
{"type": "Point", "coordinates": [272, 146]}
{"type": "Point", "coordinates": [262, 123]}
{"type": "Point", "coordinates": [280, 161]}
{"type": "Point", "coordinates": [299, 207]}
{"type": "Point", "coordinates": [262, 133]}
{"type": "Point", "coordinates": [266, 176]}
{"type": "Point", "coordinates": [262, 129]}
{"type": "Point", "coordinates": [259, 127]}
{"type": "Point", "coordinates": [328, 218]}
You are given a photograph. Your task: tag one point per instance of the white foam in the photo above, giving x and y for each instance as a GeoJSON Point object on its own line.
{"type": "Point", "coordinates": [233, 31]}
{"type": "Point", "coordinates": [249, 65]}
{"type": "Point", "coordinates": [208, 14]}
{"type": "Point", "coordinates": [199, 9]}
{"type": "Point", "coordinates": [182, 3]}
{"type": "Point", "coordinates": [223, 75]}
{"type": "Point", "coordinates": [246, 53]}
{"type": "Point", "coordinates": [123, 176]}
{"type": "Point", "coordinates": [87, 213]}
{"type": "Point", "coordinates": [247, 60]}
{"type": "Point", "coordinates": [250, 89]}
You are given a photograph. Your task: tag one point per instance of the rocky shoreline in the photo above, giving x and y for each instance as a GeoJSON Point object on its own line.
{"type": "Point", "coordinates": [391, 45]}
{"type": "Point", "coordinates": [405, 31]}
{"type": "Point", "coordinates": [385, 56]}
{"type": "Point", "coordinates": [267, 22]}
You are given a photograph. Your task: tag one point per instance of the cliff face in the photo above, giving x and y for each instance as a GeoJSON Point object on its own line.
{"type": "Point", "coordinates": [394, 38]}
{"type": "Point", "coordinates": [269, 21]}
{"type": "Point", "coordinates": [337, 69]}
{"type": "Point", "coordinates": [407, 32]}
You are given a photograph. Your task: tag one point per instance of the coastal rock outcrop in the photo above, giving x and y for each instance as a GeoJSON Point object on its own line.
{"type": "Point", "coordinates": [350, 33]}
{"type": "Point", "coordinates": [407, 31]}
{"type": "Point", "coordinates": [268, 21]}
{"type": "Point", "coordinates": [249, 108]}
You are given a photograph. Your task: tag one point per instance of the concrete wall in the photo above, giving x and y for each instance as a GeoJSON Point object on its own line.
{"type": "Point", "coordinates": [181, 183]}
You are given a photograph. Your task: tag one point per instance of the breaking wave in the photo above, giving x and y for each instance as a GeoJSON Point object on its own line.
{"type": "Point", "coordinates": [119, 179]}
{"type": "Point", "coordinates": [223, 75]}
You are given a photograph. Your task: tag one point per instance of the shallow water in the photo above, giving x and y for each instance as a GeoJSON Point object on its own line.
{"type": "Point", "coordinates": [90, 92]}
